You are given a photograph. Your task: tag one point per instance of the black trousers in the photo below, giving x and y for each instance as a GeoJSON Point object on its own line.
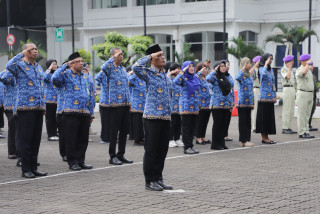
{"type": "Point", "coordinates": [119, 124]}
{"type": "Point", "coordinates": [51, 120]}
{"type": "Point", "coordinates": [202, 123]}
{"type": "Point", "coordinates": [244, 124]}
{"type": "Point", "coordinates": [175, 127]}
{"type": "Point", "coordinates": [188, 122]}
{"type": "Point", "coordinates": [105, 123]}
{"type": "Point", "coordinates": [1, 117]}
{"type": "Point", "coordinates": [29, 129]}
{"type": "Point", "coordinates": [313, 108]}
{"type": "Point", "coordinates": [220, 125]}
{"type": "Point", "coordinates": [62, 144]}
{"type": "Point", "coordinates": [156, 144]}
{"type": "Point", "coordinates": [11, 133]}
{"type": "Point", "coordinates": [136, 126]}
{"type": "Point", "coordinates": [228, 120]}
{"type": "Point", "coordinates": [76, 134]}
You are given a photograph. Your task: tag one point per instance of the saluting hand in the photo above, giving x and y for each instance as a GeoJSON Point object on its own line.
{"type": "Point", "coordinates": [257, 64]}
{"type": "Point", "coordinates": [267, 62]}
{"type": "Point", "coordinates": [203, 71]}
{"type": "Point", "coordinates": [50, 67]}
{"type": "Point", "coordinates": [154, 55]}
{"type": "Point", "coordinates": [216, 68]}
{"type": "Point", "coordinates": [184, 70]}
{"type": "Point", "coordinates": [26, 52]}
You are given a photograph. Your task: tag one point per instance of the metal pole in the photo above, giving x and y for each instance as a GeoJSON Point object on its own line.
{"type": "Point", "coordinates": [8, 24]}
{"type": "Point", "coordinates": [310, 13]}
{"type": "Point", "coordinates": [224, 29]}
{"type": "Point", "coordinates": [144, 17]}
{"type": "Point", "coordinates": [72, 24]}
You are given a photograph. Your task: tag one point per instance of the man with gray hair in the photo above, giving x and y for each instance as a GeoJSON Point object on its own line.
{"type": "Point", "coordinates": [119, 103]}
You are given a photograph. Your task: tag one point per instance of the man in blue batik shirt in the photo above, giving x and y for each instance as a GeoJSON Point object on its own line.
{"type": "Point", "coordinates": [29, 107]}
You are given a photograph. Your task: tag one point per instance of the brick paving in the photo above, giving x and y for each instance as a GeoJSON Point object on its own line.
{"type": "Point", "coordinates": [281, 178]}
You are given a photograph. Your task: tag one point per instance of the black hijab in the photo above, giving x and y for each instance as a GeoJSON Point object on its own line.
{"type": "Point", "coordinates": [223, 81]}
{"type": "Point", "coordinates": [49, 62]}
{"type": "Point", "coordinates": [263, 60]}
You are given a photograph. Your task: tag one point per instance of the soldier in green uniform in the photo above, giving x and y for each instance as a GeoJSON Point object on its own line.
{"type": "Point", "coordinates": [256, 86]}
{"type": "Point", "coordinates": [289, 94]}
{"type": "Point", "coordinates": [304, 95]}
{"type": "Point", "coordinates": [316, 89]}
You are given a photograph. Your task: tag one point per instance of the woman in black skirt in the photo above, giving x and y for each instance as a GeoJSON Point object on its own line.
{"type": "Point", "coordinates": [204, 112]}
{"type": "Point", "coordinates": [265, 116]}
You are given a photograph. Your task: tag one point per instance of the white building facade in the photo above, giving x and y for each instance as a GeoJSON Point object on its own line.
{"type": "Point", "coordinates": [172, 22]}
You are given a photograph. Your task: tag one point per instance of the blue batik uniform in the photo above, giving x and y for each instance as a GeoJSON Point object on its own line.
{"type": "Point", "coordinates": [29, 83]}
{"type": "Point", "coordinates": [78, 91]}
{"type": "Point", "coordinates": [102, 81]}
{"type": "Point", "coordinates": [60, 99]}
{"type": "Point", "coordinates": [50, 90]}
{"type": "Point", "coordinates": [158, 101]}
{"type": "Point", "coordinates": [232, 98]}
{"type": "Point", "coordinates": [138, 95]}
{"type": "Point", "coordinates": [118, 84]}
{"type": "Point", "coordinates": [204, 95]}
{"type": "Point", "coordinates": [2, 91]}
{"type": "Point", "coordinates": [245, 95]}
{"type": "Point", "coordinates": [10, 95]}
{"type": "Point", "coordinates": [187, 105]}
{"type": "Point", "coordinates": [176, 95]}
{"type": "Point", "coordinates": [218, 101]}
{"type": "Point", "coordinates": [267, 87]}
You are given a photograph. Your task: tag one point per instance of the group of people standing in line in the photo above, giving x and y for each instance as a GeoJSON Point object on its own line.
{"type": "Point", "coordinates": [153, 104]}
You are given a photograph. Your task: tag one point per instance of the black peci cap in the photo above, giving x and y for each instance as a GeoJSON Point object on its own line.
{"type": "Point", "coordinates": [74, 56]}
{"type": "Point", "coordinates": [153, 49]}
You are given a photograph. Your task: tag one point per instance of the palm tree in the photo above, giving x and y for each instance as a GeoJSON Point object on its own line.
{"type": "Point", "coordinates": [291, 36]}
{"type": "Point", "coordinates": [242, 49]}
{"type": "Point", "coordinates": [186, 54]}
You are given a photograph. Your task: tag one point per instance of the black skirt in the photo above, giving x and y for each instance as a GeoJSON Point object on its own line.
{"type": "Point", "coordinates": [266, 123]}
{"type": "Point", "coordinates": [136, 131]}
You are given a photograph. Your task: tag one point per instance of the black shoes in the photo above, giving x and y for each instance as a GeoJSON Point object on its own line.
{"type": "Point", "coordinates": [207, 142]}
{"type": "Point", "coordinates": [75, 167]}
{"type": "Point", "coordinates": [228, 139]}
{"type": "Point", "coordinates": [85, 166]}
{"type": "Point", "coordinates": [19, 164]}
{"type": "Point", "coordinates": [269, 142]}
{"type": "Point", "coordinates": [164, 186]}
{"type": "Point", "coordinates": [288, 131]}
{"type": "Point", "coordinates": [28, 174]}
{"type": "Point", "coordinates": [39, 173]}
{"type": "Point", "coordinates": [153, 186]}
{"type": "Point", "coordinates": [125, 160]}
{"type": "Point", "coordinates": [191, 151]}
{"type": "Point", "coordinates": [65, 159]}
{"type": "Point", "coordinates": [312, 129]}
{"type": "Point", "coordinates": [306, 136]}
{"type": "Point", "coordinates": [218, 148]}
{"type": "Point", "coordinates": [115, 161]}
{"type": "Point", "coordinates": [12, 157]}
{"type": "Point", "coordinates": [200, 143]}
{"type": "Point", "coordinates": [138, 143]}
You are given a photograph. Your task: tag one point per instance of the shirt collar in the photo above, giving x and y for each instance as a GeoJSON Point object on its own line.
{"type": "Point", "coordinates": [157, 69]}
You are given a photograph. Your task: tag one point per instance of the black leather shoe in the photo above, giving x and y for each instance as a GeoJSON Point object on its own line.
{"type": "Point", "coordinates": [65, 159]}
{"type": "Point", "coordinates": [160, 182]}
{"type": "Point", "coordinates": [225, 147]}
{"type": "Point", "coordinates": [39, 173]}
{"type": "Point", "coordinates": [125, 160]}
{"type": "Point", "coordinates": [217, 148]}
{"type": "Point", "coordinates": [292, 132]}
{"type": "Point", "coordinates": [19, 164]}
{"type": "Point", "coordinates": [306, 136]}
{"type": "Point", "coordinates": [138, 143]}
{"type": "Point", "coordinates": [85, 166]}
{"type": "Point", "coordinates": [153, 186]}
{"type": "Point", "coordinates": [200, 143]}
{"type": "Point", "coordinates": [28, 174]}
{"type": "Point", "coordinates": [268, 142]}
{"type": "Point", "coordinates": [75, 167]}
{"type": "Point", "coordinates": [115, 161]}
{"type": "Point", "coordinates": [228, 139]}
{"type": "Point", "coordinates": [312, 129]}
{"type": "Point", "coordinates": [207, 142]}
{"type": "Point", "coordinates": [38, 164]}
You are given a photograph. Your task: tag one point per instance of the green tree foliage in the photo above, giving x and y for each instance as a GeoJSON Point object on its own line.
{"type": "Point", "coordinates": [291, 36]}
{"type": "Point", "coordinates": [186, 54]}
{"type": "Point", "coordinates": [241, 49]}
{"type": "Point", "coordinates": [86, 55]}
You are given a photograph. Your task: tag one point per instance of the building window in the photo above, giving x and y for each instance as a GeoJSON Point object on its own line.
{"type": "Point", "coordinates": [206, 45]}
{"type": "Point", "coordinates": [198, 0]}
{"type": "Point", "coordinates": [98, 4]}
{"type": "Point", "coordinates": [166, 43]}
{"type": "Point", "coordinates": [282, 51]}
{"type": "Point", "coordinates": [249, 37]}
{"type": "Point", "coordinates": [154, 2]}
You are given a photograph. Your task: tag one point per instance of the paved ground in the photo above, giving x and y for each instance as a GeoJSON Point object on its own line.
{"type": "Point", "coordinates": [282, 178]}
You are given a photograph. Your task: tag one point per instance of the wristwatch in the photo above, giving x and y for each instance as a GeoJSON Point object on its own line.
{"type": "Point", "coordinates": [308, 63]}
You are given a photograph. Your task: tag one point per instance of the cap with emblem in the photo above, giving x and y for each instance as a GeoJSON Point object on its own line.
{"type": "Point", "coordinates": [256, 59]}
{"type": "Point", "coordinates": [74, 56]}
{"type": "Point", "coordinates": [153, 49]}
{"type": "Point", "coordinates": [288, 58]}
{"type": "Point", "coordinates": [304, 57]}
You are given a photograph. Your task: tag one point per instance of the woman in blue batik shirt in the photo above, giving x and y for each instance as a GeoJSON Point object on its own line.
{"type": "Point", "coordinates": [188, 104]}
{"type": "Point", "coordinates": [175, 123]}
{"type": "Point", "coordinates": [265, 116]}
{"type": "Point", "coordinates": [204, 99]}
{"type": "Point", "coordinates": [245, 101]}
{"type": "Point", "coordinates": [220, 103]}
{"type": "Point", "coordinates": [231, 80]}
